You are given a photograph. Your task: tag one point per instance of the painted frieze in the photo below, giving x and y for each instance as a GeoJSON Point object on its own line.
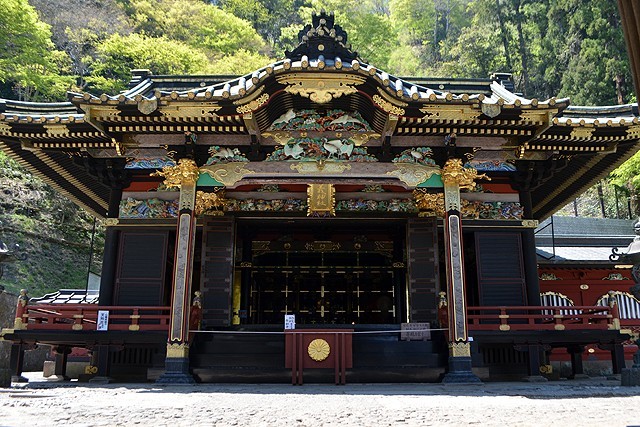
{"type": "Point", "coordinates": [311, 120]}
{"type": "Point", "coordinates": [225, 155]}
{"type": "Point", "coordinates": [149, 163]}
{"type": "Point", "coordinates": [131, 208]}
{"type": "Point", "coordinates": [418, 155]}
{"type": "Point", "coordinates": [321, 148]}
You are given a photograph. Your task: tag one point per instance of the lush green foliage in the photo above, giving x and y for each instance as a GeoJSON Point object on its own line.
{"type": "Point", "coordinates": [52, 232]}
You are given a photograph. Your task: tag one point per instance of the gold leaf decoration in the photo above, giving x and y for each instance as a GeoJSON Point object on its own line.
{"type": "Point", "coordinates": [387, 106]}
{"type": "Point", "coordinates": [253, 105]}
{"type": "Point", "coordinates": [318, 349]}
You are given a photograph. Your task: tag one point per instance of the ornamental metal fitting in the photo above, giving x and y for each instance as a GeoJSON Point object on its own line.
{"type": "Point", "coordinates": [210, 203]}
{"type": "Point", "coordinates": [631, 255]}
{"type": "Point", "coordinates": [185, 172]}
{"type": "Point", "coordinates": [454, 173]}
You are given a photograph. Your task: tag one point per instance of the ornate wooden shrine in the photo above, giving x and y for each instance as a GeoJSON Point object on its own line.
{"type": "Point", "coordinates": [319, 186]}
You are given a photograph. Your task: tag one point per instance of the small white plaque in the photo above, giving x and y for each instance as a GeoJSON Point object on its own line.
{"type": "Point", "coordinates": [102, 324]}
{"type": "Point", "coordinates": [415, 331]}
{"type": "Point", "coordinates": [289, 321]}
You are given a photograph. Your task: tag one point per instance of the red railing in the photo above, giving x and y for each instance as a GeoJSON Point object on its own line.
{"type": "Point", "coordinates": [84, 317]}
{"type": "Point", "coordinates": [542, 318]}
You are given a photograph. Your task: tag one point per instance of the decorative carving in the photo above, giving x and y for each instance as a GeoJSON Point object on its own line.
{"type": "Point", "coordinates": [187, 199]}
{"type": "Point", "coordinates": [364, 205]}
{"type": "Point", "coordinates": [492, 165]}
{"type": "Point", "coordinates": [632, 132]}
{"type": "Point", "coordinates": [186, 171]}
{"type": "Point", "coordinates": [449, 112]}
{"type": "Point", "coordinates": [433, 204]}
{"type": "Point", "coordinates": [412, 174]}
{"type": "Point", "coordinates": [195, 314]}
{"type": "Point", "coordinates": [203, 110]}
{"type": "Point", "coordinates": [224, 155]}
{"type": "Point", "coordinates": [530, 223]}
{"type": "Point", "coordinates": [148, 106]}
{"type": "Point", "coordinates": [534, 116]}
{"type": "Point", "coordinates": [581, 133]}
{"type": "Point", "coordinates": [210, 203]}
{"type": "Point", "coordinates": [429, 204]}
{"type": "Point", "coordinates": [459, 349]}
{"type": "Point", "coordinates": [269, 188]}
{"type": "Point", "coordinates": [146, 209]}
{"type": "Point", "coordinates": [614, 276]}
{"type": "Point", "coordinates": [373, 188]}
{"type": "Point", "coordinates": [178, 350]}
{"type": "Point", "coordinates": [253, 105]}
{"type": "Point", "coordinates": [328, 168]}
{"type": "Point", "coordinates": [320, 88]}
{"type": "Point", "coordinates": [110, 222]}
{"type": "Point", "coordinates": [454, 173]}
{"type": "Point", "coordinates": [549, 276]}
{"type": "Point", "coordinates": [5, 128]}
{"type": "Point", "coordinates": [418, 155]}
{"type": "Point", "coordinates": [313, 149]}
{"type": "Point", "coordinates": [57, 130]}
{"type": "Point", "coordinates": [388, 107]}
{"type": "Point", "coordinates": [311, 120]}
{"type": "Point", "coordinates": [322, 246]}
{"type": "Point", "coordinates": [227, 173]}
{"type": "Point", "coordinates": [261, 205]}
{"type": "Point", "coordinates": [318, 349]}
{"type": "Point", "coordinates": [150, 163]}
{"type": "Point", "coordinates": [321, 199]}
{"type": "Point", "coordinates": [322, 36]}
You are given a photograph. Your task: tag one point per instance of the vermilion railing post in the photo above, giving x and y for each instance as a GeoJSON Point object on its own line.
{"type": "Point", "coordinates": [22, 315]}
{"type": "Point", "coordinates": [504, 319]}
{"type": "Point", "coordinates": [77, 320]}
{"type": "Point", "coordinates": [615, 311]}
{"type": "Point", "coordinates": [134, 326]}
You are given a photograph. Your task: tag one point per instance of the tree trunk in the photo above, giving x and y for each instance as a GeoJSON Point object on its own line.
{"type": "Point", "coordinates": [523, 47]}
{"type": "Point", "coordinates": [619, 79]}
{"type": "Point", "coordinates": [503, 35]}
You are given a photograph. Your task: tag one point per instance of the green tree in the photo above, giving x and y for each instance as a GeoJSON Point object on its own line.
{"type": "Point", "coordinates": [195, 23]}
{"type": "Point", "coordinates": [78, 26]}
{"type": "Point", "coordinates": [597, 69]}
{"type": "Point", "coordinates": [118, 55]}
{"type": "Point", "coordinates": [29, 65]}
{"type": "Point", "coordinates": [627, 178]}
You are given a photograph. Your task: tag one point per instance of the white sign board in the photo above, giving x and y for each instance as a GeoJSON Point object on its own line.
{"type": "Point", "coordinates": [102, 323]}
{"type": "Point", "coordinates": [289, 321]}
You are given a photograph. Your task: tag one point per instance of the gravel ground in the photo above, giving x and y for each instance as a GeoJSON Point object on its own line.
{"type": "Point", "coordinates": [593, 402]}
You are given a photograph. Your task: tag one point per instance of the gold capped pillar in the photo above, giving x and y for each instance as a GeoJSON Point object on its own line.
{"type": "Point", "coordinates": [455, 177]}
{"type": "Point", "coordinates": [183, 176]}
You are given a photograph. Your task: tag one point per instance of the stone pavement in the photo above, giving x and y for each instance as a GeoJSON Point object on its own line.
{"type": "Point", "coordinates": [592, 402]}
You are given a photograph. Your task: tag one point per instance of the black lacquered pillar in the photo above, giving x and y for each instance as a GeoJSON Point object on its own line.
{"type": "Point", "coordinates": [184, 176]}
{"type": "Point", "coordinates": [459, 367]}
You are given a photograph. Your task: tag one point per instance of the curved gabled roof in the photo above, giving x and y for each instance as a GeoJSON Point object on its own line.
{"type": "Point", "coordinates": [83, 137]}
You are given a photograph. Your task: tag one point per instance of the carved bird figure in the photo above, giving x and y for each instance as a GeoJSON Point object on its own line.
{"type": "Point", "coordinates": [344, 119]}
{"type": "Point", "coordinates": [285, 118]}
{"type": "Point", "coordinates": [293, 150]}
{"type": "Point", "coordinates": [338, 147]}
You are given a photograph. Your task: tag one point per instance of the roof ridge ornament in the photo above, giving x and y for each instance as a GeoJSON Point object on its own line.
{"type": "Point", "coordinates": [324, 38]}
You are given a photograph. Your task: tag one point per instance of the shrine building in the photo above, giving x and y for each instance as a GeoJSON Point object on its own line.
{"type": "Point", "coordinates": [387, 223]}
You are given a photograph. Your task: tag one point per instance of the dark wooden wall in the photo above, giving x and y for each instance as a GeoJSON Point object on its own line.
{"type": "Point", "coordinates": [140, 275]}
{"type": "Point", "coordinates": [501, 276]}
{"type": "Point", "coordinates": [217, 271]}
{"type": "Point", "coordinates": [424, 279]}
